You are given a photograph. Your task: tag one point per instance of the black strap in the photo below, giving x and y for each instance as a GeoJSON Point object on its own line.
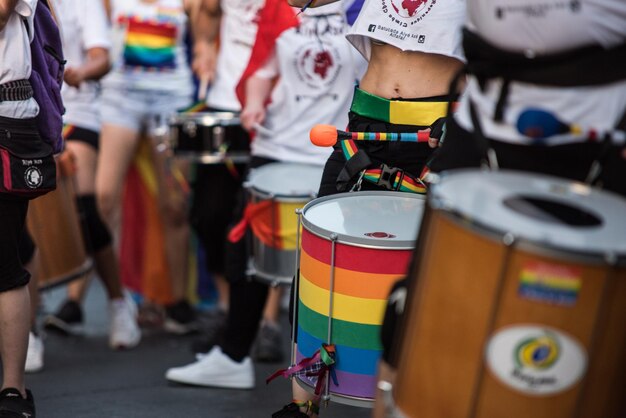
{"type": "Point", "coordinates": [564, 69]}
{"type": "Point", "coordinates": [15, 91]}
{"type": "Point", "coordinates": [359, 162]}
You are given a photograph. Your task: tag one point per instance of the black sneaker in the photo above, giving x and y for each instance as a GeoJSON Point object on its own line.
{"type": "Point", "coordinates": [180, 318]}
{"type": "Point", "coordinates": [211, 330]}
{"type": "Point", "coordinates": [268, 345]}
{"type": "Point", "coordinates": [13, 405]}
{"type": "Point", "coordinates": [290, 411]}
{"type": "Point", "coordinates": [67, 320]}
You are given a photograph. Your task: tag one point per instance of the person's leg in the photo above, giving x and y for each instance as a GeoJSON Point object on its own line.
{"type": "Point", "coordinates": [15, 318]}
{"type": "Point", "coordinates": [268, 344]}
{"type": "Point", "coordinates": [173, 199]}
{"type": "Point", "coordinates": [117, 149]}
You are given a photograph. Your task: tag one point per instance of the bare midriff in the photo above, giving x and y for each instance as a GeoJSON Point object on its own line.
{"type": "Point", "coordinates": [394, 74]}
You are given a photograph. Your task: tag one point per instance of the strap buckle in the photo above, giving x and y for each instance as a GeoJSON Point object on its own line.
{"type": "Point", "coordinates": [388, 176]}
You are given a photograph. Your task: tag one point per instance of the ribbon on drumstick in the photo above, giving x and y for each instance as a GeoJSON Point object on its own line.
{"type": "Point", "coordinates": [316, 366]}
{"type": "Point", "coordinates": [328, 135]}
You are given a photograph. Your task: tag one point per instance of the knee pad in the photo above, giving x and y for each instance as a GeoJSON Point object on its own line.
{"type": "Point", "coordinates": [95, 233]}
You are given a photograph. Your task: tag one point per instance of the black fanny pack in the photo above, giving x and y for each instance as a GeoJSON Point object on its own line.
{"type": "Point", "coordinates": [27, 166]}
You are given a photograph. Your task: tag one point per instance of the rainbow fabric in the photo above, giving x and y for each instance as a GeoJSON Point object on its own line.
{"type": "Point", "coordinates": [551, 284]}
{"type": "Point", "coordinates": [363, 279]}
{"type": "Point", "coordinates": [273, 222]}
{"type": "Point", "coordinates": [143, 268]}
{"type": "Point", "coordinates": [150, 44]}
{"type": "Point", "coordinates": [399, 112]}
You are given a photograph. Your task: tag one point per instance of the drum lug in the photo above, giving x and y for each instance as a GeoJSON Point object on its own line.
{"type": "Point", "coordinates": [386, 389]}
{"type": "Point", "coordinates": [190, 128]}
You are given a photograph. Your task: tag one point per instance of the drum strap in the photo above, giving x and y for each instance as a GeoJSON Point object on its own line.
{"type": "Point", "coordinates": [391, 178]}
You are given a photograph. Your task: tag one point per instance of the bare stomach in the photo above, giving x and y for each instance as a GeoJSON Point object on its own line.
{"type": "Point", "coordinates": [394, 74]}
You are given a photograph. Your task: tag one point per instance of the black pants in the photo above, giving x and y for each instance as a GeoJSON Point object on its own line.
{"type": "Point", "coordinates": [247, 295]}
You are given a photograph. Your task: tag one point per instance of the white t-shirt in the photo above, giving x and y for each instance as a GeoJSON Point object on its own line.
{"type": "Point", "coordinates": [431, 26]}
{"type": "Point", "coordinates": [149, 50]}
{"type": "Point", "coordinates": [545, 27]}
{"type": "Point", "coordinates": [15, 59]}
{"type": "Point", "coordinates": [318, 69]}
{"type": "Point", "coordinates": [238, 28]}
{"type": "Point", "coordinates": [85, 26]}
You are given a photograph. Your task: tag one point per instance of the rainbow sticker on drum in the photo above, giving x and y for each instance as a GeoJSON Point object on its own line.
{"type": "Point", "coordinates": [354, 248]}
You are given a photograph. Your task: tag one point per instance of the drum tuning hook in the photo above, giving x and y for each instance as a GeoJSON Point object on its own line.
{"type": "Point", "coordinates": [357, 185]}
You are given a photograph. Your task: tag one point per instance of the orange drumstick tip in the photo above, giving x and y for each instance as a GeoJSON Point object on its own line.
{"type": "Point", "coordinates": [323, 135]}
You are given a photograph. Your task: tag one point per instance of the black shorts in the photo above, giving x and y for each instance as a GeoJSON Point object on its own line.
{"type": "Point", "coordinates": [12, 219]}
{"type": "Point", "coordinates": [76, 133]}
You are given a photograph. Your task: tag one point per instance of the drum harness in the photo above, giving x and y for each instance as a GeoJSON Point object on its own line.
{"type": "Point", "coordinates": [358, 163]}
{"type": "Point", "coordinates": [487, 62]}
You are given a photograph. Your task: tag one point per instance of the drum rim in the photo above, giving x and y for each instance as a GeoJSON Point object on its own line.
{"type": "Point", "coordinates": [222, 118]}
{"type": "Point", "coordinates": [279, 197]}
{"type": "Point", "coordinates": [437, 203]}
{"type": "Point", "coordinates": [358, 241]}
{"type": "Point", "coordinates": [340, 398]}
{"type": "Point", "coordinates": [525, 244]}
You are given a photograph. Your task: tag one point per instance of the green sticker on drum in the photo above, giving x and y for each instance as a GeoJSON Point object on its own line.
{"type": "Point", "coordinates": [536, 360]}
{"type": "Point", "coordinates": [550, 283]}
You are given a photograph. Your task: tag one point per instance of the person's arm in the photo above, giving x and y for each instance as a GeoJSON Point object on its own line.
{"type": "Point", "coordinates": [205, 25]}
{"type": "Point", "coordinates": [258, 90]}
{"type": "Point", "coordinates": [94, 68]}
{"type": "Point", "coordinates": [7, 7]}
{"type": "Point", "coordinates": [314, 3]}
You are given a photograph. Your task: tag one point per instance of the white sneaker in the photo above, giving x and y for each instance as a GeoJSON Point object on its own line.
{"type": "Point", "coordinates": [124, 331]}
{"type": "Point", "coordinates": [215, 369]}
{"type": "Point", "coordinates": [34, 355]}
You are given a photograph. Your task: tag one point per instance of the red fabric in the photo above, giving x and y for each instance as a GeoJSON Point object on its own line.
{"type": "Point", "coordinates": [276, 17]}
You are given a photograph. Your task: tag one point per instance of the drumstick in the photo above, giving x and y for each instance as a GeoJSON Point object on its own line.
{"type": "Point", "coordinates": [306, 6]}
{"type": "Point", "coordinates": [204, 85]}
{"type": "Point", "coordinates": [262, 129]}
{"type": "Point", "coordinates": [328, 135]}
{"type": "Point", "coordinates": [540, 124]}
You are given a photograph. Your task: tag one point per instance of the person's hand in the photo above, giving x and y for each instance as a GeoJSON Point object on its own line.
{"type": "Point", "coordinates": [74, 76]}
{"type": "Point", "coordinates": [204, 61]}
{"type": "Point", "coordinates": [437, 133]}
{"type": "Point", "coordinates": [251, 115]}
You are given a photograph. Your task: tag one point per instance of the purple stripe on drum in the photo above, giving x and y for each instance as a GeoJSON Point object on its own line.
{"type": "Point", "coordinates": [350, 384]}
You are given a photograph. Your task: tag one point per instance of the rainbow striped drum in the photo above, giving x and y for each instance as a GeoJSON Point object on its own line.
{"type": "Point", "coordinates": [355, 246]}
{"type": "Point", "coordinates": [275, 192]}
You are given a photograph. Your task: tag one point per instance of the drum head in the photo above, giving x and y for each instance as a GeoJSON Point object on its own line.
{"type": "Point", "coordinates": [545, 210]}
{"type": "Point", "coordinates": [206, 118]}
{"type": "Point", "coordinates": [371, 219]}
{"type": "Point", "coordinates": [286, 180]}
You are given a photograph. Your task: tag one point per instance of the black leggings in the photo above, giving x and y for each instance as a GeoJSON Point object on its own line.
{"type": "Point", "coordinates": [247, 295]}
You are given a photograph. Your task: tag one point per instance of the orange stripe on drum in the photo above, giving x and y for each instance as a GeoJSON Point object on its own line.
{"type": "Point", "coordinates": [347, 282]}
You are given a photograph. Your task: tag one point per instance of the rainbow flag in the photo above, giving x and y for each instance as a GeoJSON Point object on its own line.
{"type": "Point", "coordinates": [150, 44]}
{"type": "Point", "coordinates": [549, 283]}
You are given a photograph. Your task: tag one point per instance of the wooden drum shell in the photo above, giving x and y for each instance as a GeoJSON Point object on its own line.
{"type": "Point", "coordinates": [466, 288]}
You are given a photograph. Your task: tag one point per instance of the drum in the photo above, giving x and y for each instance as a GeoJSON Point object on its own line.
{"type": "Point", "coordinates": [54, 225]}
{"type": "Point", "coordinates": [275, 192]}
{"type": "Point", "coordinates": [209, 137]}
{"type": "Point", "coordinates": [355, 246]}
{"type": "Point", "coordinates": [517, 307]}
